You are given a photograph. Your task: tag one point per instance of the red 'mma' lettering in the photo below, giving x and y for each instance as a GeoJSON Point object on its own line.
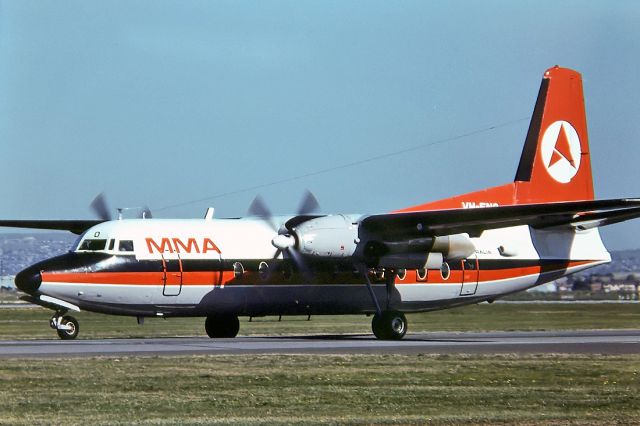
{"type": "Point", "coordinates": [192, 245]}
{"type": "Point", "coordinates": [165, 245]}
{"type": "Point", "coordinates": [209, 245]}
{"type": "Point", "coordinates": [176, 245]}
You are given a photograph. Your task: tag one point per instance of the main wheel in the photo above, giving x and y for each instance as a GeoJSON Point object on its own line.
{"type": "Point", "coordinates": [222, 326]}
{"type": "Point", "coordinates": [73, 328]}
{"type": "Point", "coordinates": [391, 325]}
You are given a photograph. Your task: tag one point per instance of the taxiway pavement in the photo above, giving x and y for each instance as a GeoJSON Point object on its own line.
{"type": "Point", "coordinates": [574, 342]}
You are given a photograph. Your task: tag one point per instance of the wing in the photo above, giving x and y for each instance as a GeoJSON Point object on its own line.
{"type": "Point", "coordinates": [75, 226]}
{"type": "Point", "coordinates": [577, 214]}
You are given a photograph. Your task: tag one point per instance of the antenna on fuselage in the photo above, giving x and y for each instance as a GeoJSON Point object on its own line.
{"type": "Point", "coordinates": [209, 214]}
{"type": "Point", "coordinates": [143, 212]}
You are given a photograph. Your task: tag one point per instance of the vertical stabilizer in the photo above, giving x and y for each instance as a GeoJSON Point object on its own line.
{"type": "Point", "coordinates": [555, 163]}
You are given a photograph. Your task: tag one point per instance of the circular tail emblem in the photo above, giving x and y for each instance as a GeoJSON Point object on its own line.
{"type": "Point", "coordinates": [561, 152]}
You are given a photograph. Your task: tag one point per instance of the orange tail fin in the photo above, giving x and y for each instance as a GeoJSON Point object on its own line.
{"type": "Point", "coordinates": [555, 163]}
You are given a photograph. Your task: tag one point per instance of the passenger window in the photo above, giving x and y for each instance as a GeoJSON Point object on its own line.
{"type": "Point", "coordinates": [125, 245]}
{"type": "Point", "coordinates": [238, 270]}
{"type": "Point", "coordinates": [445, 271]}
{"type": "Point", "coordinates": [422, 274]}
{"type": "Point", "coordinates": [263, 270]}
{"type": "Point", "coordinates": [93, 245]}
{"type": "Point", "coordinates": [402, 274]}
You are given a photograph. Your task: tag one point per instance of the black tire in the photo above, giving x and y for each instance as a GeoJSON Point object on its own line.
{"type": "Point", "coordinates": [69, 334]}
{"type": "Point", "coordinates": [222, 326]}
{"type": "Point", "coordinates": [391, 325]}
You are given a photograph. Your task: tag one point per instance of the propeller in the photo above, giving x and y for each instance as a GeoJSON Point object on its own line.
{"type": "Point", "coordinates": [285, 241]}
{"type": "Point", "coordinates": [309, 204]}
{"type": "Point", "coordinates": [100, 207]}
{"type": "Point", "coordinates": [259, 208]}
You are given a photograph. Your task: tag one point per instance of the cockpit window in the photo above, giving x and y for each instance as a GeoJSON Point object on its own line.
{"type": "Point", "coordinates": [93, 245]}
{"type": "Point", "coordinates": [112, 242]}
{"type": "Point", "coordinates": [125, 245]}
{"type": "Point", "coordinates": [76, 243]}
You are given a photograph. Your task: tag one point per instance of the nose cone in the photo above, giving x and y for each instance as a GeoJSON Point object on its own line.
{"type": "Point", "coordinates": [29, 280]}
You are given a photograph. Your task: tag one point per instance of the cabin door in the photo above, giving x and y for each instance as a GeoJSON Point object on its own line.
{"type": "Point", "coordinates": [172, 274]}
{"type": "Point", "coordinates": [470, 274]}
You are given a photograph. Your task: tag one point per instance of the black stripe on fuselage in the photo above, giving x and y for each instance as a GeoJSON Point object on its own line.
{"type": "Point", "coordinates": [279, 271]}
{"type": "Point", "coordinates": [499, 264]}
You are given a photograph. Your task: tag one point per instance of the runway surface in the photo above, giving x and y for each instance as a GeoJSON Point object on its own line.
{"type": "Point", "coordinates": [574, 342]}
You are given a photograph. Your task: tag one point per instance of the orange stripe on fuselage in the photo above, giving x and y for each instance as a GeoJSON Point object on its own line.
{"type": "Point", "coordinates": [140, 278]}
{"type": "Point", "coordinates": [137, 278]}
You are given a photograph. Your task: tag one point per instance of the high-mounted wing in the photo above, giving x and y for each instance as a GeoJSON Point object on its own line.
{"type": "Point", "coordinates": [75, 226]}
{"type": "Point", "coordinates": [577, 214]}
{"type": "Point", "coordinates": [98, 205]}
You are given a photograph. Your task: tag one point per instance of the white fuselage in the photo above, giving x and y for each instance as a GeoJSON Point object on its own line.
{"type": "Point", "coordinates": [198, 267]}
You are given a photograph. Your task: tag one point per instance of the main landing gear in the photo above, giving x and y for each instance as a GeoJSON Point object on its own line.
{"type": "Point", "coordinates": [389, 325]}
{"type": "Point", "coordinates": [222, 326]}
{"type": "Point", "coordinates": [66, 326]}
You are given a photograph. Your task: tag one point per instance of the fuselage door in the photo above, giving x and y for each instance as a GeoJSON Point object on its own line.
{"type": "Point", "coordinates": [470, 274]}
{"type": "Point", "coordinates": [172, 274]}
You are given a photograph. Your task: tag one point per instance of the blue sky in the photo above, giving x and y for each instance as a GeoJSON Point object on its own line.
{"type": "Point", "coordinates": [166, 102]}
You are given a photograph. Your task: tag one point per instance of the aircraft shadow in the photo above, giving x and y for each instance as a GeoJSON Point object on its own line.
{"type": "Point", "coordinates": [360, 337]}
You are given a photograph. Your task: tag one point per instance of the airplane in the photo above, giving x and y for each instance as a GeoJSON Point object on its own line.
{"type": "Point", "coordinates": [457, 251]}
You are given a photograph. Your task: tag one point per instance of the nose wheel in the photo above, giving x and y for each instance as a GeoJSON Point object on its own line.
{"type": "Point", "coordinates": [66, 326]}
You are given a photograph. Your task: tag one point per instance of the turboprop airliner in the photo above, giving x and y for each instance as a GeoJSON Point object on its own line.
{"type": "Point", "coordinates": [466, 249]}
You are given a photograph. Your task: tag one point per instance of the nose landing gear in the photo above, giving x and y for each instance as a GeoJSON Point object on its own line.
{"type": "Point", "coordinates": [66, 326]}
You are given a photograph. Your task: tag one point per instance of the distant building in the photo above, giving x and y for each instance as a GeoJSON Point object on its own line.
{"type": "Point", "coordinates": [6, 283]}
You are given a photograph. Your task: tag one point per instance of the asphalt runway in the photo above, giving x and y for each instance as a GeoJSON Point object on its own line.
{"type": "Point", "coordinates": [572, 342]}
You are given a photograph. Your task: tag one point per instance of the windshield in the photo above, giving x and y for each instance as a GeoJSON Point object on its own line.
{"type": "Point", "coordinates": [76, 243]}
{"type": "Point", "coordinates": [93, 245]}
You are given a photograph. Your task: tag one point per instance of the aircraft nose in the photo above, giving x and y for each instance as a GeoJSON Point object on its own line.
{"type": "Point", "coordinates": [29, 280]}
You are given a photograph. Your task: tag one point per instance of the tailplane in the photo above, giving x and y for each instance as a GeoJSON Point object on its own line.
{"type": "Point", "coordinates": [555, 165]}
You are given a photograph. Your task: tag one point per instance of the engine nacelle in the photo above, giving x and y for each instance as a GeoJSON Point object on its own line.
{"type": "Point", "coordinates": [428, 252]}
{"type": "Point", "coordinates": [327, 236]}
{"type": "Point", "coordinates": [454, 247]}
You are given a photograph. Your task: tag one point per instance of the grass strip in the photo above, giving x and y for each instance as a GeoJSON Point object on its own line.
{"type": "Point", "coordinates": [323, 389]}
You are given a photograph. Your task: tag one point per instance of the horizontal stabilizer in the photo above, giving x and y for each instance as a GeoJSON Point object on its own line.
{"type": "Point", "coordinates": [577, 214]}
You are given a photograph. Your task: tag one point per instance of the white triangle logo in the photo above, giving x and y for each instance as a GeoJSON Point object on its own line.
{"type": "Point", "coordinates": [561, 151]}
